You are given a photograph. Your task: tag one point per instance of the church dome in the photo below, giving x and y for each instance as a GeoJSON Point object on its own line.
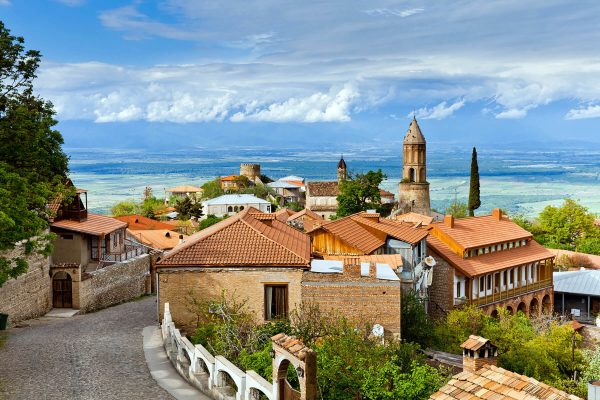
{"type": "Point", "coordinates": [414, 135]}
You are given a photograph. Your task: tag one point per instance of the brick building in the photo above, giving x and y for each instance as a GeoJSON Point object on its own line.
{"type": "Point", "coordinates": [488, 261]}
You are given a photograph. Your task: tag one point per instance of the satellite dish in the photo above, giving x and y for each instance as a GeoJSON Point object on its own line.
{"type": "Point", "coordinates": [377, 330]}
{"type": "Point", "coordinates": [430, 261]}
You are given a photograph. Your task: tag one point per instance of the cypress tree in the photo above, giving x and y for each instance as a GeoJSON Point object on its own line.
{"type": "Point", "coordinates": [474, 200]}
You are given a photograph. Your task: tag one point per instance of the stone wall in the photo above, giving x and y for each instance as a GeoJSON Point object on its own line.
{"type": "Point", "coordinates": [29, 295]}
{"type": "Point", "coordinates": [176, 284]}
{"type": "Point", "coordinates": [363, 299]}
{"type": "Point", "coordinates": [441, 296]}
{"type": "Point", "coordinates": [414, 197]}
{"type": "Point", "coordinates": [114, 284]}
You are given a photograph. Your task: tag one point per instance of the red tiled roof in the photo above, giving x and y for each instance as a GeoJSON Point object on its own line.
{"type": "Point", "coordinates": [162, 239]}
{"type": "Point", "coordinates": [327, 189]}
{"type": "Point", "coordinates": [490, 262]}
{"type": "Point", "coordinates": [491, 382]}
{"type": "Point", "coordinates": [385, 193]}
{"type": "Point", "coordinates": [397, 230]}
{"type": "Point", "coordinates": [245, 239]}
{"type": "Point", "coordinates": [139, 222]}
{"type": "Point", "coordinates": [414, 218]}
{"type": "Point", "coordinates": [306, 212]}
{"type": "Point", "coordinates": [474, 342]}
{"type": "Point", "coordinates": [283, 214]}
{"type": "Point", "coordinates": [95, 224]}
{"type": "Point", "coordinates": [481, 231]}
{"type": "Point", "coordinates": [229, 178]}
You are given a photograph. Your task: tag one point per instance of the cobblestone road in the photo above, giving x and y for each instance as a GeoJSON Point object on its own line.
{"type": "Point", "coordinates": [93, 356]}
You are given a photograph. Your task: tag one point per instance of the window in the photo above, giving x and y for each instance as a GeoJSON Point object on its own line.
{"type": "Point", "coordinates": [457, 289]}
{"type": "Point", "coordinates": [276, 299]}
{"type": "Point", "coordinates": [510, 277]}
{"type": "Point", "coordinates": [230, 209]}
{"type": "Point", "coordinates": [66, 237]}
{"type": "Point", "coordinates": [505, 246]}
{"type": "Point", "coordinates": [481, 283]}
{"type": "Point", "coordinates": [489, 282]}
{"type": "Point", "coordinates": [511, 245]}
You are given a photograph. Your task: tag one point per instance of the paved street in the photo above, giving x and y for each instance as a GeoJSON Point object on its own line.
{"type": "Point", "coordinates": [93, 356]}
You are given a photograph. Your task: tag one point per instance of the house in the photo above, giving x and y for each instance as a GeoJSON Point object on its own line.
{"type": "Point", "coordinates": [181, 192]}
{"type": "Point", "coordinates": [136, 222]}
{"type": "Point", "coordinates": [252, 255]}
{"type": "Point", "coordinates": [577, 293]}
{"type": "Point", "coordinates": [362, 292]}
{"type": "Point", "coordinates": [290, 192]}
{"type": "Point", "coordinates": [230, 183]}
{"type": "Point", "coordinates": [305, 220]}
{"type": "Point", "coordinates": [488, 261]}
{"type": "Point", "coordinates": [321, 196]}
{"type": "Point", "coordinates": [230, 204]}
{"type": "Point", "coordinates": [387, 197]}
{"type": "Point", "coordinates": [482, 379]}
{"type": "Point", "coordinates": [367, 233]}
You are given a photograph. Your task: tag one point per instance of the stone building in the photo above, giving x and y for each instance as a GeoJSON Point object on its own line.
{"type": "Point", "coordinates": [414, 188]}
{"type": "Point", "coordinates": [229, 204]}
{"type": "Point", "coordinates": [321, 196]}
{"type": "Point", "coordinates": [488, 261]}
{"type": "Point", "coordinates": [251, 171]}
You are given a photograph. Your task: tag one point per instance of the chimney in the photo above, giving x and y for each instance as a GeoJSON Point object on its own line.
{"type": "Point", "coordinates": [352, 267]}
{"type": "Point", "coordinates": [497, 214]}
{"type": "Point", "coordinates": [372, 270]}
{"type": "Point", "coordinates": [180, 238]}
{"type": "Point", "coordinates": [168, 234]}
{"type": "Point", "coordinates": [449, 221]}
{"type": "Point", "coordinates": [477, 352]}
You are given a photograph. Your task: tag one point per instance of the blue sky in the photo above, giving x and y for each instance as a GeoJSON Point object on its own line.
{"type": "Point", "coordinates": [304, 73]}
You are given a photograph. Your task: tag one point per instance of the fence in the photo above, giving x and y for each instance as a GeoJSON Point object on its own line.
{"type": "Point", "coordinates": [215, 376]}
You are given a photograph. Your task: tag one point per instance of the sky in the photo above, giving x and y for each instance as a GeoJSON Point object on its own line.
{"type": "Point", "coordinates": [177, 73]}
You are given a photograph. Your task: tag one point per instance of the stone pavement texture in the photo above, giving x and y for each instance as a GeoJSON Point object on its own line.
{"type": "Point", "coordinates": [92, 356]}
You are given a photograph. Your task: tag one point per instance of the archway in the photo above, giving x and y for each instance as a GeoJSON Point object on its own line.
{"type": "Point", "coordinates": [411, 174]}
{"type": "Point", "coordinates": [422, 175]}
{"type": "Point", "coordinates": [62, 290]}
{"type": "Point", "coordinates": [256, 394]}
{"type": "Point", "coordinates": [546, 305]}
{"type": "Point", "coordinates": [289, 388]}
{"type": "Point", "coordinates": [494, 313]}
{"type": "Point", "coordinates": [522, 308]}
{"type": "Point", "coordinates": [534, 307]}
{"type": "Point", "coordinates": [226, 385]}
{"type": "Point", "coordinates": [510, 310]}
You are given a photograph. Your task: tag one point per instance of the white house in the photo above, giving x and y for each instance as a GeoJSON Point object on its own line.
{"type": "Point", "coordinates": [230, 204]}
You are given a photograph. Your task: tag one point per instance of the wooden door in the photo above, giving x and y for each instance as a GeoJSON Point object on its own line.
{"type": "Point", "coordinates": [288, 392]}
{"type": "Point", "coordinates": [62, 291]}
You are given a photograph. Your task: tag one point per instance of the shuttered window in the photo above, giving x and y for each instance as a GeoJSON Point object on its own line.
{"type": "Point", "coordinates": [276, 301]}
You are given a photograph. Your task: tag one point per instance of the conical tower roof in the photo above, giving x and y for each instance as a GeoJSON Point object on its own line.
{"type": "Point", "coordinates": [414, 135]}
{"type": "Point", "coordinates": [342, 163]}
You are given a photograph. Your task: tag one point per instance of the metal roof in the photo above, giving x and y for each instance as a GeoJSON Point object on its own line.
{"type": "Point", "coordinates": [584, 282]}
{"type": "Point", "coordinates": [384, 271]}
{"type": "Point", "coordinates": [283, 185]}
{"type": "Point", "coordinates": [235, 199]}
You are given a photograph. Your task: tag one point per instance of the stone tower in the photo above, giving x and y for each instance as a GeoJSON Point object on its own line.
{"type": "Point", "coordinates": [341, 171]}
{"type": "Point", "coordinates": [414, 188]}
{"type": "Point", "coordinates": [251, 171]}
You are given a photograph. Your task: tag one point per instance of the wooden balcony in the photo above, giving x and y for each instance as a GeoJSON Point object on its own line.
{"type": "Point", "coordinates": [75, 215]}
{"type": "Point", "coordinates": [510, 293]}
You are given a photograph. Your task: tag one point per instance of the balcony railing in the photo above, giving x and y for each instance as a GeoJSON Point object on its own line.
{"type": "Point", "coordinates": [510, 293]}
{"type": "Point", "coordinates": [75, 215]}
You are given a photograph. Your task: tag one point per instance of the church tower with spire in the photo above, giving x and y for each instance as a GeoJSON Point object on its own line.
{"type": "Point", "coordinates": [341, 170]}
{"type": "Point", "coordinates": [414, 188]}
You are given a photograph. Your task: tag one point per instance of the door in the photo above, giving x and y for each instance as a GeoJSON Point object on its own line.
{"type": "Point", "coordinates": [62, 290]}
{"type": "Point", "coordinates": [288, 392]}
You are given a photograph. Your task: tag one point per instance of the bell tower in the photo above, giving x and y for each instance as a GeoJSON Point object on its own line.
{"type": "Point", "coordinates": [414, 188]}
{"type": "Point", "coordinates": [341, 170]}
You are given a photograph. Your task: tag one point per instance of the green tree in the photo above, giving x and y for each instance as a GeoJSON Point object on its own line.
{"type": "Point", "coordinates": [210, 220]}
{"type": "Point", "coordinates": [567, 226]}
{"type": "Point", "coordinates": [124, 208]}
{"type": "Point", "coordinates": [360, 192]}
{"type": "Point", "coordinates": [33, 166]}
{"type": "Point", "coordinates": [457, 209]}
{"type": "Point", "coordinates": [187, 208]}
{"type": "Point", "coordinates": [212, 189]}
{"type": "Point", "coordinates": [416, 326]}
{"type": "Point", "coordinates": [474, 198]}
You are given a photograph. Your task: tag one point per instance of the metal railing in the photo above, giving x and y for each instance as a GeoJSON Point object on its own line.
{"type": "Point", "coordinates": [132, 250]}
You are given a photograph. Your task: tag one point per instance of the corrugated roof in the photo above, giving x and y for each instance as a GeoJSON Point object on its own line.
{"type": "Point", "coordinates": [244, 239]}
{"type": "Point", "coordinates": [323, 189]}
{"type": "Point", "coordinates": [292, 178]}
{"type": "Point", "coordinates": [393, 260]}
{"type": "Point", "coordinates": [284, 185]}
{"type": "Point", "coordinates": [490, 262]}
{"type": "Point", "coordinates": [139, 222]}
{"type": "Point", "coordinates": [491, 383]}
{"type": "Point", "coordinates": [585, 282]}
{"type": "Point", "coordinates": [481, 231]}
{"type": "Point", "coordinates": [227, 199]}
{"type": "Point", "coordinates": [163, 239]}
{"type": "Point", "coordinates": [95, 224]}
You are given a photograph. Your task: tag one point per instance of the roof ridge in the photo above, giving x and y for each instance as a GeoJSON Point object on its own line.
{"type": "Point", "coordinates": [243, 220]}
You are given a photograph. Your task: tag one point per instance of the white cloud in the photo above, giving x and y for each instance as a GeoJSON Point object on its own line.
{"type": "Point", "coordinates": [319, 107]}
{"type": "Point", "coordinates": [591, 111]}
{"type": "Point", "coordinates": [387, 12]}
{"type": "Point", "coordinates": [440, 111]}
{"type": "Point", "coordinates": [4, 2]}
{"type": "Point", "coordinates": [512, 113]}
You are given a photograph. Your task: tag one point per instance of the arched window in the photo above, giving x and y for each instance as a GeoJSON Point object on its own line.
{"type": "Point", "coordinates": [241, 208]}
{"type": "Point", "coordinates": [411, 174]}
{"type": "Point", "coordinates": [236, 209]}
{"type": "Point", "coordinates": [230, 209]}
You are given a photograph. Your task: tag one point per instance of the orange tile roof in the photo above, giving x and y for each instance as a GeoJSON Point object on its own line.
{"type": "Point", "coordinates": [283, 214]}
{"type": "Point", "coordinates": [306, 212]}
{"type": "Point", "coordinates": [292, 345]}
{"type": "Point", "coordinates": [245, 239]}
{"type": "Point", "coordinates": [163, 239]}
{"type": "Point", "coordinates": [137, 222]}
{"type": "Point", "coordinates": [385, 193]}
{"type": "Point", "coordinates": [184, 189]}
{"type": "Point", "coordinates": [474, 342]}
{"type": "Point", "coordinates": [491, 382]}
{"type": "Point", "coordinates": [480, 231]}
{"type": "Point", "coordinates": [414, 218]}
{"type": "Point", "coordinates": [490, 262]}
{"type": "Point", "coordinates": [229, 178]}
{"type": "Point", "coordinates": [299, 183]}
{"type": "Point", "coordinates": [328, 189]}
{"type": "Point", "coordinates": [396, 229]}
{"type": "Point", "coordinates": [95, 224]}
